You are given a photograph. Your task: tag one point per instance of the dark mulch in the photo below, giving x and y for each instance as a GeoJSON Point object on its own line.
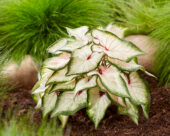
{"type": "Point", "coordinates": [113, 124]}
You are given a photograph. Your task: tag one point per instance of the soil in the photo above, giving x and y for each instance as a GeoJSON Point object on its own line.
{"type": "Point", "coordinates": [113, 124]}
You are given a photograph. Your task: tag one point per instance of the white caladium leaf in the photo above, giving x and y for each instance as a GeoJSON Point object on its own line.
{"type": "Point", "coordinates": [57, 45]}
{"type": "Point", "coordinates": [89, 37]}
{"type": "Point", "coordinates": [115, 99]}
{"type": "Point", "coordinates": [40, 89]}
{"type": "Point", "coordinates": [83, 60]}
{"type": "Point", "coordinates": [58, 52]}
{"type": "Point", "coordinates": [67, 86]}
{"type": "Point", "coordinates": [148, 73]}
{"type": "Point", "coordinates": [100, 85]}
{"type": "Point", "coordinates": [58, 62]}
{"type": "Point", "coordinates": [63, 119]}
{"type": "Point", "coordinates": [114, 47]}
{"type": "Point", "coordinates": [137, 87]}
{"type": "Point", "coordinates": [40, 86]}
{"type": "Point", "coordinates": [125, 66]}
{"type": "Point", "coordinates": [98, 103]}
{"type": "Point", "coordinates": [145, 108]}
{"type": "Point", "coordinates": [61, 77]}
{"type": "Point", "coordinates": [130, 109]}
{"type": "Point", "coordinates": [112, 80]}
{"type": "Point", "coordinates": [85, 83]}
{"type": "Point", "coordinates": [45, 72]}
{"type": "Point", "coordinates": [49, 101]}
{"type": "Point", "coordinates": [38, 99]}
{"type": "Point", "coordinates": [117, 30]}
{"type": "Point", "coordinates": [39, 104]}
{"type": "Point", "coordinates": [71, 46]}
{"type": "Point", "coordinates": [67, 45]}
{"type": "Point", "coordinates": [68, 104]}
{"type": "Point", "coordinates": [79, 33]}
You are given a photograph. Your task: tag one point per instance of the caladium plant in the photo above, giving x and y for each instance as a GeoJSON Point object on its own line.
{"type": "Point", "coordinates": [92, 69]}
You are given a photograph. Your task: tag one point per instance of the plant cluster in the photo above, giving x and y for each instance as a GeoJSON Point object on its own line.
{"type": "Point", "coordinates": [92, 69]}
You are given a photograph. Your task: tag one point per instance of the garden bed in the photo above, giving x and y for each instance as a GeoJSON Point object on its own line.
{"type": "Point", "coordinates": [113, 124]}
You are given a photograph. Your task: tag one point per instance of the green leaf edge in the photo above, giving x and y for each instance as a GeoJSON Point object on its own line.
{"type": "Point", "coordinates": [87, 111]}
{"type": "Point", "coordinates": [67, 113]}
{"type": "Point", "coordinates": [125, 41]}
{"type": "Point", "coordinates": [147, 89]}
{"type": "Point", "coordinates": [71, 59]}
{"type": "Point", "coordinates": [62, 90]}
{"type": "Point", "coordinates": [123, 69]}
{"type": "Point", "coordinates": [117, 94]}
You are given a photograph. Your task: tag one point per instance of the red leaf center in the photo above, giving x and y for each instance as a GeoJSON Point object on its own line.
{"type": "Point", "coordinates": [128, 78]}
{"type": "Point", "coordinates": [89, 57]}
{"type": "Point", "coordinates": [80, 92]}
{"type": "Point", "coordinates": [57, 92]}
{"type": "Point", "coordinates": [129, 82]}
{"type": "Point", "coordinates": [101, 94]}
{"type": "Point", "coordinates": [96, 38]}
{"type": "Point", "coordinates": [106, 49]}
{"type": "Point", "coordinates": [100, 71]}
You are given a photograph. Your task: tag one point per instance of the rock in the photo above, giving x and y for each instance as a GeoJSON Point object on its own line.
{"type": "Point", "coordinates": [149, 46]}
{"type": "Point", "coordinates": [24, 75]}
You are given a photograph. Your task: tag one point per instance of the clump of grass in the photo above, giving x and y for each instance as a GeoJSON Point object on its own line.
{"type": "Point", "coordinates": [162, 33]}
{"type": "Point", "coordinates": [137, 15]}
{"type": "Point", "coordinates": [150, 17]}
{"type": "Point", "coordinates": [30, 26]}
{"type": "Point", "coordinates": [21, 127]}
{"type": "Point", "coordinates": [162, 64]}
{"type": "Point", "coordinates": [14, 125]}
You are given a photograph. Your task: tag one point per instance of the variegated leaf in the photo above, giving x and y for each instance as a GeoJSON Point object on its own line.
{"type": "Point", "coordinates": [125, 66]}
{"type": "Point", "coordinates": [117, 30]}
{"type": "Point", "coordinates": [148, 73]}
{"type": "Point", "coordinates": [40, 89]}
{"type": "Point", "coordinates": [79, 33]}
{"type": "Point", "coordinates": [112, 80]}
{"type": "Point", "coordinates": [67, 45]}
{"type": "Point", "coordinates": [115, 99]}
{"type": "Point", "coordinates": [58, 62]}
{"type": "Point", "coordinates": [67, 86]}
{"type": "Point", "coordinates": [71, 46]}
{"type": "Point", "coordinates": [49, 101]}
{"type": "Point", "coordinates": [137, 87]}
{"type": "Point", "coordinates": [63, 119]}
{"type": "Point", "coordinates": [84, 60]}
{"type": "Point", "coordinates": [145, 108]}
{"type": "Point", "coordinates": [100, 85]}
{"type": "Point", "coordinates": [68, 104]}
{"type": "Point", "coordinates": [61, 77]}
{"type": "Point", "coordinates": [57, 45]}
{"type": "Point", "coordinates": [38, 99]}
{"type": "Point", "coordinates": [130, 109]}
{"type": "Point", "coordinates": [40, 86]}
{"type": "Point", "coordinates": [114, 47]}
{"type": "Point", "coordinates": [85, 83]}
{"type": "Point", "coordinates": [98, 103]}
